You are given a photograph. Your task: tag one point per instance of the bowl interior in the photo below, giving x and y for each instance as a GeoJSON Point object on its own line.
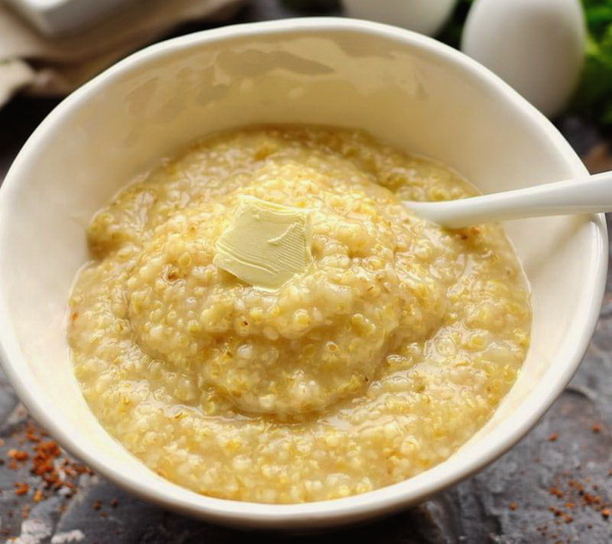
{"type": "Point", "coordinates": [402, 88]}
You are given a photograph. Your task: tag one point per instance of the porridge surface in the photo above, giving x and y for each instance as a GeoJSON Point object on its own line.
{"type": "Point", "coordinates": [374, 364]}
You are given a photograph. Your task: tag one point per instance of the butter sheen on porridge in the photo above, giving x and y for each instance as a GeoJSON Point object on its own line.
{"type": "Point", "coordinates": [375, 363]}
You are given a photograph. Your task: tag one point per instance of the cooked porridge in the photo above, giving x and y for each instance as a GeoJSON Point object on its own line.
{"type": "Point", "coordinates": [384, 353]}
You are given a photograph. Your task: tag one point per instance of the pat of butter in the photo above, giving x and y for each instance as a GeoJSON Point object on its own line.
{"type": "Point", "coordinates": [265, 244]}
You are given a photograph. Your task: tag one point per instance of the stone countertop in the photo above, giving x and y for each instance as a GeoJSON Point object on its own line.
{"type": "Point", "coordinates": [554, 486]}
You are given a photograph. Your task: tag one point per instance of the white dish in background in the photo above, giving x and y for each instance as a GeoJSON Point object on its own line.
{"type": "Point", "coordinates": [55, 17]}
{"type": "Point", "coordinates": [537, 46]}
{"type": "Point", "coordinates": [425, 16]}
{"type": "Point", "coordinates": [404, 88]}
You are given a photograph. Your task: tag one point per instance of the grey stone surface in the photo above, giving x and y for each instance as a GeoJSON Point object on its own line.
{"type": "Point", "coordinates": [551, 487]}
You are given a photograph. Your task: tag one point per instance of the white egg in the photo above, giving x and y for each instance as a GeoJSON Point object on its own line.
{"type": "Point", "coordinates": [537, 46]}
{"type": "Point", "coordinates": [424, 16]}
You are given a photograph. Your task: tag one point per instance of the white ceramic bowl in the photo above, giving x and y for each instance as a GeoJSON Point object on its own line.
{"type": "Point", "coordinates": [406, 89]}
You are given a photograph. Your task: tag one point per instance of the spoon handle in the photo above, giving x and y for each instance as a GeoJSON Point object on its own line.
{"type": "Point", "coordinates": [590, 195]}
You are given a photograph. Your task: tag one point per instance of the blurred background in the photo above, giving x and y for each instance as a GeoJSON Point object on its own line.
{"type": "Point", "coordinates": [556, 485]}
{"type": "Point", "coordinates": [557, 53]}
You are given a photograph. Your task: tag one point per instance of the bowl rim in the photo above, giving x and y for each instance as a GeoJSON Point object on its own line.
{"type": "Point", "coordinates": [336, 511]}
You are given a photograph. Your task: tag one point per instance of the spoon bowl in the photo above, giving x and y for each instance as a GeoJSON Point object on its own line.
{"type": "Point", "coordinates": [588, 194]}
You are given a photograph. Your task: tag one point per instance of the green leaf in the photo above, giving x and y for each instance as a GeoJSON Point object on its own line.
{"type": "Point", "coordinates": [451, 33]}
{"type": "Point", "coordinates": [593, 98]}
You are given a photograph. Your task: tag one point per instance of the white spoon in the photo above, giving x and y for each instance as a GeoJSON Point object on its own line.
{"type": "Point", "coordinates": [591, 194]}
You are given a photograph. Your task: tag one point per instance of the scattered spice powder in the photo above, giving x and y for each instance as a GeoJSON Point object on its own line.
{"type": "Point", "coordinates": [555, 511]}
{"type": "Point", "coordinates": [574, 484]}
{"type": "Point", "coordinates": [47, 462]}
{"type": "Point", "coordinates": [21, 488]}
{"type": "Point", "coordinates": [561, 514]}
{"type": "Point", "coordinates": [18, 455]}
{"type": "Point", "coordinates": [597, 428]}
{"type": "Point", "coordinates": [32, 434]}
{"type": "Point", "coordinates": [553, 437]}
{"type": "Point", "coordinates": [97, 505]}
{"type": "Point", "coordinates": [591, 499]}
{"type": "Point", "coordinates": [513, 506]}
{"type": "Point", "coordinates": [576, 495]}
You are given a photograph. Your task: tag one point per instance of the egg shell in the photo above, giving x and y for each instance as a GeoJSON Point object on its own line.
{"type": "Point", "coordinates": [424, 16]}
{"type": "Point", "coordinates": [537, 46]}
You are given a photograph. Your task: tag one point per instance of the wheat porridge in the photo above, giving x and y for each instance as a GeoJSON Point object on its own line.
{"type": "Point", "coordinates": [382, 347]}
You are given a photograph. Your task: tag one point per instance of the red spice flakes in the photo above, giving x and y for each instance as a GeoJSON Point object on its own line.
{"type": "Point", "coordinates": [553, 437]}
{"type": "Point", "coordinates": [18, 455]}
{"type": "Point", "coordinates": [42, 467]}
{"type": "Point", "coordinates": [47, 462]}
{"type": "Point", "coordinates": [577, 496]}
{"type": "Point", "coordinates": [82, 469]}
{"type": "Point", "coordinates": [561, 514]}
{"type": "Point", "coordinates": [590, 499]}
{"type": "Point", "coordinates": [513, 506]}
{"type": "Point", "coordinates": [114, 503]}
{"type": "Point", "coordinates": [97, 505]}
{"type": "Point", "coordinates": [48, 448]}
{"type": "Point", "coordinates": [21, 488]}
{"type": "Point", "coordinates": [43, 464]}
{"type": "Point", "coordinates": [31, 433]}
{"type": "Point", "coordinates": [597, 428]}
{"type": "Point", "coordinates": [574, 484]}
{"type": "Point", "coordinates": [556, 492]}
